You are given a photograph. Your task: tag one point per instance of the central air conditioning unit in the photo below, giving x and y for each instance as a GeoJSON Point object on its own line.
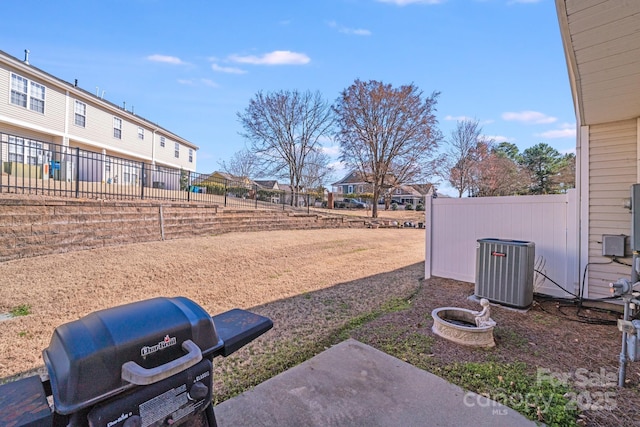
{"type": "Point", "coordinates": [504, 271]}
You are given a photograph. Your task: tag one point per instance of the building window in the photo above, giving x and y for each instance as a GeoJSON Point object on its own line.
{"type": "Point", "coordinates": [22, 89]}
{"type": "Point", "coordinates": [80, 114]}
{"type": "Point", "coordinates": [162, 141]}
{"type": "Point", "coordinates": [190, 155]}
{"type": "Point", "coordinates": [36, 99]}
{"type": "Point", "coordinates": [176, 153]}
{"type": "Point", "coordinates": [350, 189]}
{"type": "Point", "coordinates": [25, 151]}
{"type": "Point", "coordinates": [117, 128]}
{"type": "Point", "coordinates": [18, 90]}
{"type": "Point", "coordinates": [140, 133]}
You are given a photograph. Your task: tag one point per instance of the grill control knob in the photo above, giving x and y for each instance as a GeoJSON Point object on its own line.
{"type": "Point", "coordinates": [134, 421]}
{"type": "Point", "coordinates": [198, 391]}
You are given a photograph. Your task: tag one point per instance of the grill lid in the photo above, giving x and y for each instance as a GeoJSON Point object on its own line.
{"type": "Point", "coordinates": [152, 339]}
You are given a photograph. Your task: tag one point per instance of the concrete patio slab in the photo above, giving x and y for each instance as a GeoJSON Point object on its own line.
{"type": "Point", "coordinates": [353, 384]}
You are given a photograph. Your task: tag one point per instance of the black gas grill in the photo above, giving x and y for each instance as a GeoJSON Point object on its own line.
{"type": "Point", "coordinates": [143, 364]}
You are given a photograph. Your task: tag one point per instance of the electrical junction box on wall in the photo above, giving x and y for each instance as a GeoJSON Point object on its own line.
{"type": "Point", "coordinates": [613, 245]}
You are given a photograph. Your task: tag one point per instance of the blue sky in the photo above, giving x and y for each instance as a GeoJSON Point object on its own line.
{"type": "Point", "coordinates": [192, 65]}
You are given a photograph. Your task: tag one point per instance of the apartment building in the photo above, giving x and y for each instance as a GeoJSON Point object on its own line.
{"type": "Point", "coordinates": [45, 120]}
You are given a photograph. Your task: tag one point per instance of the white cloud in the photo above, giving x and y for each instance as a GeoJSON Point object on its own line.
{"type": "Point", "coordinates": [499, 138]}
{"type": "Point", "coordinates": [558, 133]}
{"type": "Point", "coordinates": [332, 150]}
{"type": "Point", "coordinates": [192, 82]}
{"type": "Point", "coordinates": [228, 70]}
{"type": "Point", "coordinates": [528, 117]}
{"type": "Point", "coordinates": [458, 118]}
{"type": "Point", "coordinates": [165, 59]}
{"type": "Point", "coordinates": [566, 130]}
{"type": "Point", "coordinates": [347, 30]}
{"type": "Point", "coordinates": [406, 2]}
{"type": "Point", "coordinates": [277, 57]}
{"type": "Point", "coordinates": [208, 82]}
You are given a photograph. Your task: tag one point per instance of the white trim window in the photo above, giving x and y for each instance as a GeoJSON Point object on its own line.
{"type": "Point", "coordinates": [19, 87]}
{"type": "Point", "coordinates": [36, 98]}
{"type": "Point", "coordinates": [176, 153]}
{"type": "Point", "coordinates": [117, 128]}
{"type": "Point", "coordinates": [23, 90]}
{"type": "Point", "coordinates": [80, 111]}
{"type": "Point", "coordinates": [25, 151]}
{"type": "Point", "coordinates": [162, 141]}
{"type": "Point", "coordinates": [190, 155]}
{"type": "Point", "coordinates": [140, 133]}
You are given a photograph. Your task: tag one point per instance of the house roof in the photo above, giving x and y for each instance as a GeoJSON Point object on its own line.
{"type": "Point", "coordinates": [269, 184]}
{"type": "Point", "coordinates": [355, 177]}
{"type": "Point", "coordinates": [601, 40]}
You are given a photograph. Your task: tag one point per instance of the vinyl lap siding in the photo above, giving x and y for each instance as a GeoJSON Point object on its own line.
{"type": "Point", "coordinates": [612, 171]}
{"type": "Point", "coordinates": [54, 102]}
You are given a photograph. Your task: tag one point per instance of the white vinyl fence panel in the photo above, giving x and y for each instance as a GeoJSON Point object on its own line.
{"type": "Point", "coordinates": [454, 226]}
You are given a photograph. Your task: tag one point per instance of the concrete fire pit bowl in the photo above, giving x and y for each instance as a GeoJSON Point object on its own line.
{"type": "Point", "coordinates": [459, 325]}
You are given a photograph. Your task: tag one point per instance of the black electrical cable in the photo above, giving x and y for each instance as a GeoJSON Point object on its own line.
{"type": "Point", "coordinates": [616, 260]}
{"type": "Point", "coordinates": [577, 301]}
{"type": "Point", "coordinates": [555, 283]}
{"type": "Point", "coordinates": [584, 278]}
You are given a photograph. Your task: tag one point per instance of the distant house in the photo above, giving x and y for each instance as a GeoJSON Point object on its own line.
{"type": "Point", "coordinates": [222, 182]}
{"type": "Point", "coordinates": [288, 194]}
{"type": "Point", "coordinates": [353, 183]}
{"type": "Point", "coordinates": [267, 185]}
{"type": "Point", "coordinates": [410, 193]}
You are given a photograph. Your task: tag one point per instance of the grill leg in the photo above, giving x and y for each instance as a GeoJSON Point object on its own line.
{"type": "Point", "coordinates": [211, 417]}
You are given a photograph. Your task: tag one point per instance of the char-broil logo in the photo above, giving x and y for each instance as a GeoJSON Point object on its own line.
{"type": "Point", "coordinates": [166, 342]}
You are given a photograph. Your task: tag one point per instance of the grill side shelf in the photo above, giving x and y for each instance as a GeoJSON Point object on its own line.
{"type": "Point", "coordinates": [24, 403]}
{"type": "Point", "coordinates": [236, 328]}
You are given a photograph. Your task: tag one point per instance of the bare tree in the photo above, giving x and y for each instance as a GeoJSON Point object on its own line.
{"type": "Point", "coordinates": [460, 160]}
{"type": "Point", "coordinates": [316, 170]}
{"type": "Point", "coordinates": [242, 163]}
{"type": "Point", "coordinates": [284, 128]}
{"type": "Point", "coordinates": [389, 135]}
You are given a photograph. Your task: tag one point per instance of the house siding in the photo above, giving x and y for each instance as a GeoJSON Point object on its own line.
{"type": "Point", "coordinates": [54, 102]}
{"type": "Point", "coordinates": [612, 171]}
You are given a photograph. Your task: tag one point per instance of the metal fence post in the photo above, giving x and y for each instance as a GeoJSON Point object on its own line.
{"type": "Point", "coordinates": [142, 173]}
{"type": "Point", "coordinates": [77, 174]}
{"type": "Point", "coordinates": [225, 192]}
{"type": "Point", "coordinates": [255, 194]}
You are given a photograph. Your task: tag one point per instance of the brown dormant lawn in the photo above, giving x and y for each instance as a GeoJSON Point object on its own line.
{"type": "Point", "coordinates": [244, 270]}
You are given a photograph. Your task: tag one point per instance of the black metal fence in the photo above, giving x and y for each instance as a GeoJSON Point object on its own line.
{"type": "Point", "coordinates": [41, 168]}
